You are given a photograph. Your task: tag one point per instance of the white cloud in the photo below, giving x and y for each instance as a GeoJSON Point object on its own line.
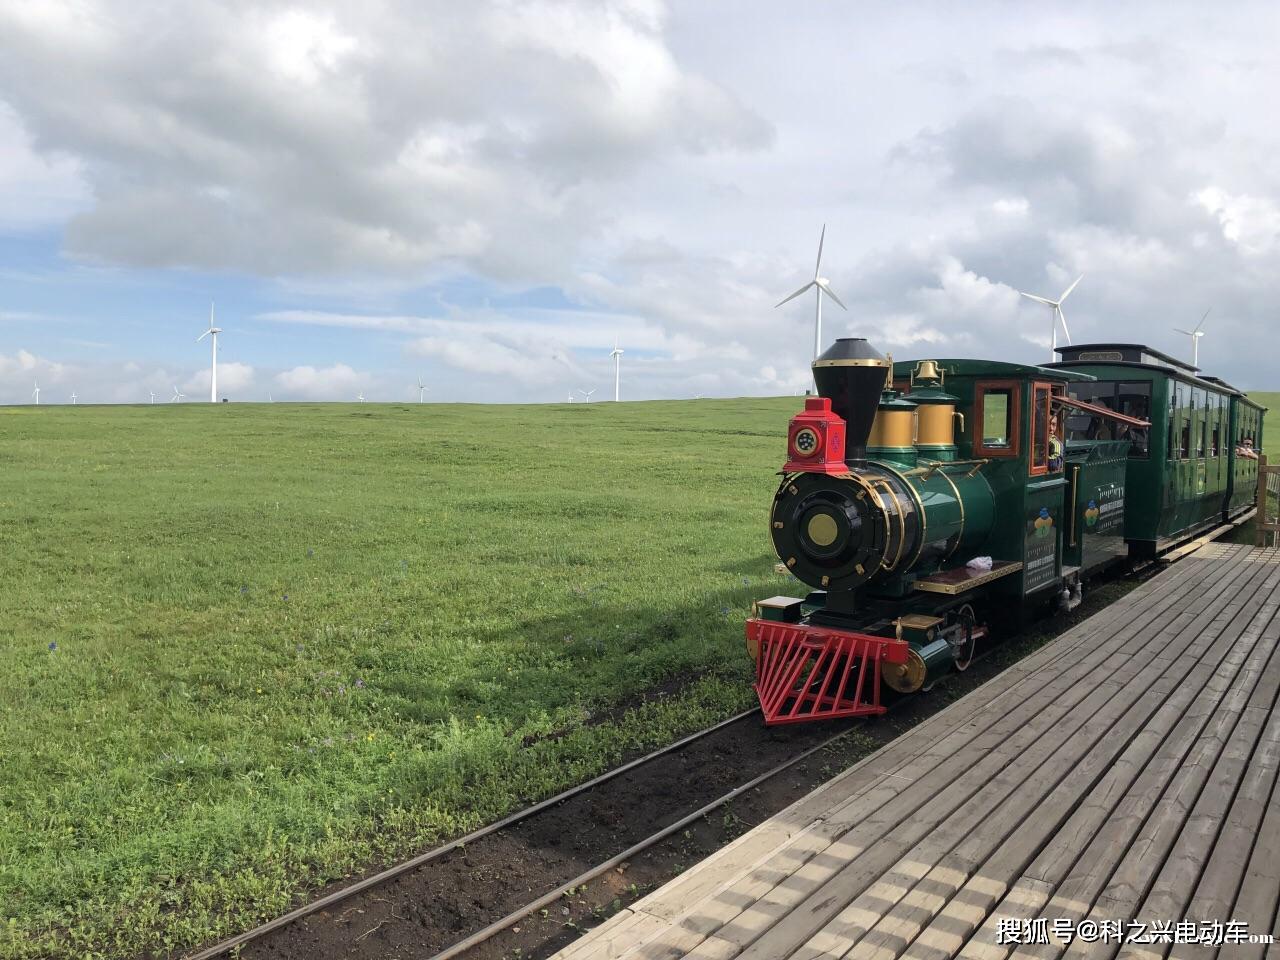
{"type": "Point", "coordinates": [1252, 224]}
{"type": "Point", "coordinates": [234, 380]}
{"type": "Point", "coordinates": [337, 382]}
{"type": "Point", "coordinates": [391, 137]}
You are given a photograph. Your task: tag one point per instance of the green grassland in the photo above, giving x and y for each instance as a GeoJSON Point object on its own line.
{"type": "Point", "coordinates": [251, 648]}
{"type": "Point", "coordinates": [1270, 423]}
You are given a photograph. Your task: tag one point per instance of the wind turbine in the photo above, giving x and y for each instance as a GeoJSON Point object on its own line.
{"type": "Point", "coordinates": [422, 388]}
{"type": "Point", "coordinates": [360, 397]}
{"type": "Point", "coordinates": [587, 394]}
{"type": "Point", "coordinates": [1056, 308]}
{"type": "Point", "coordinates": [617, 367]}
{"type": "Point", "coordinates": [73, 398]}
{"type": "Point", "coordinates": [178, 396]}
{"type": "Point", "coordinates": [1195, 336]}
{"type": "Point", "coordinates": [153, 396]}
{"type": "Point", "coordinates": [213, 375]}
{"type": "Point", "coordinates": [36, 393]}
{"type": "Point", "coordinates": [820, 285]}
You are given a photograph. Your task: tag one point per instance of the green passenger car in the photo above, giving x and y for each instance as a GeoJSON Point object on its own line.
{"type": "Point", "coordinates": [1196, 464]}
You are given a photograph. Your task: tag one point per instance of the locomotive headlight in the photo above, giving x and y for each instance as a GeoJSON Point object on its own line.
{"type": "Point", "coordinates": [805, 443]}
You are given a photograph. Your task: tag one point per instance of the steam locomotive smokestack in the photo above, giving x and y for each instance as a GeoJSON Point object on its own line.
{"type": "Point", "coordinates": [851, 374]}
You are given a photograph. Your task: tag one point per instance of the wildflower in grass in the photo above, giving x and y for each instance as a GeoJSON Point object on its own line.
{"type": "Point", "coordinates": [359, 683]}
{"type": "Point", "coordinates": [53, 645]}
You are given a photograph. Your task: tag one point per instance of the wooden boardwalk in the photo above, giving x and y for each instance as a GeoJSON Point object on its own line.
{"type": "Point", "coordinates": [1125, 771]}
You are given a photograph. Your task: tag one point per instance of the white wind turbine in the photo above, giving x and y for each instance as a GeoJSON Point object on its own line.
{"type": "Point", "coordinates": [73, 398]}
{"type": "Point", "coordinates": [1056, 308]}
{"type": "Point", "coordinates": [153, 396]}
{"type": "Point", "coordinates": [820, 285]}
{"type": "Point", "coordinates": [422, 388]}
{"type": "Point", "coordinates": [587, 394]}
{"type": "Point", "coordinates": [1195, 336]}
{"type": "Point", "coordinates": [571, 396]}
{"type": "Point", "coordinates": [360, 397]}
{"type": "Point", "coordinates": [178, 396]}
{"type": "Point", "coordinates": [617, 368]}
{"type": "Point", "coordinates": [213, 374]}
{"type": "Point", "coordinates": [36, 393]}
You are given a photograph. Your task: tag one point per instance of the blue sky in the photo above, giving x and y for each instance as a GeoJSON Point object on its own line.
{"type": "Point", "coordinates": [487, 195]}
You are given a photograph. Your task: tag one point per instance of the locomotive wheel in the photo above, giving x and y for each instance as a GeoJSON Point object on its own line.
{"type": "Point", "coordinates": [968, 620]}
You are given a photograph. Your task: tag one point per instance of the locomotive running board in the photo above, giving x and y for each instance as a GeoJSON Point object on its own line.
{"type": "Point", "coordinates": [817, 673]}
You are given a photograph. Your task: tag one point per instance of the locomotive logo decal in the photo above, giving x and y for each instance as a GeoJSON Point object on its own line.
{"type": "Point", "coordinates": [1105, 512]}
{"type": "Point", "coordinates": [1091, 513]}
{"type": "Point", "coordinates": [1044, 523]}
{"type": "Point", "coordinates": [1040, 551]}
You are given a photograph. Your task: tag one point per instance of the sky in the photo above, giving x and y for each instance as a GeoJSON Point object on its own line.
{"type": "Point", "coordinates": [487, 196]}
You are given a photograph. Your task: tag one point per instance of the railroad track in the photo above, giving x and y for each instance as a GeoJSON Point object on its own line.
{"type": "Point", "coordinates": [374, 881]}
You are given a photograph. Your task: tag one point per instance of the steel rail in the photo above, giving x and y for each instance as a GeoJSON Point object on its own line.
{"type": "Point", "coordinates": [480, 936]}
{"type": "Point", "coordinates": [337, 896]}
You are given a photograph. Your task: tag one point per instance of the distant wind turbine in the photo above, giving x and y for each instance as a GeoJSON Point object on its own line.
{"type": "Point", "coordinates": [1056, 309]}
{"type": "Point", "coordinates": [36, 393]}
{"type": "Point", "coordinates": [178, 396]}
{"type": "Point", "coordinates": [360, 397]}
{"type": "Point", "coordinates": [617, 368]}
{"type": "Point", "coordinates": [1195, 336]}
{"type": "Point", "coordinates": [73, 398]}
{"type": "Point", "coordinates": [213, 331]}
{"type": "Point", "coordinates": [153, 396]}
{"type": "Point", "coordinates": [270, 398]}
{"type": "Point", "coordinates": [820, 286]}
{"type": "Point", "coordinates": [587, 394]}
{"type": "Point", "coordinates": [422, 388]}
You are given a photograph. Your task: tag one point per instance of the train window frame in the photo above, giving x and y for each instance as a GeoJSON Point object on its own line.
{"type": "Point", "coordinates": [1185, 416]}
{"type": "Point", "coordinates": [1042, 388]}
{"type": "Point", "coordinates": [1013, 447]}
{"type": "Point", "coordinates": [1137, 388]}
{"type": "Point", "coordinates": [1199, 420]}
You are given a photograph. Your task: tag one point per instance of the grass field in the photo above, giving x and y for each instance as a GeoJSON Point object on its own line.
{"type": "Point", "coordinates": [250, 648]}
{"type": "Point", "coordinates": [1271, 424]}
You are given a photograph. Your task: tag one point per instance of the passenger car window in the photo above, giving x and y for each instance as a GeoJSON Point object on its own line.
{"type": "Point", "coordinates": [1134, 400]}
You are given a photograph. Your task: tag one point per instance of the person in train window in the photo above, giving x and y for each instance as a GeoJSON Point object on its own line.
{"type": "Point", "coordinates": [1055, 445]}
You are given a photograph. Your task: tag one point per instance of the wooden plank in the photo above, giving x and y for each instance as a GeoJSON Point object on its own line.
{"type": "Point", "coordinates": [1258, 902]}
{"type": "Point", "coordinates": [943, 792]}
{"type": "Point", "coordinates": [1156, 837]}
{"type": "Point", "coordinates": [678, 896]}
{"type": "Point", "coordinates": [951, 854]}
{"type": "Point", "coordinates": [1184, 868]}
{"type": "Point", "coordinates": [1004, 845]}
{"type": "Point", "coordinates": [1224, 873]}
{"type": "Point", "coordinates": [1075, 893]}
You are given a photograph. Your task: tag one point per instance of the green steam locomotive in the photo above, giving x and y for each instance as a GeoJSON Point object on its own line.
{"type": "Point", "coordinates": [924, 502]}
